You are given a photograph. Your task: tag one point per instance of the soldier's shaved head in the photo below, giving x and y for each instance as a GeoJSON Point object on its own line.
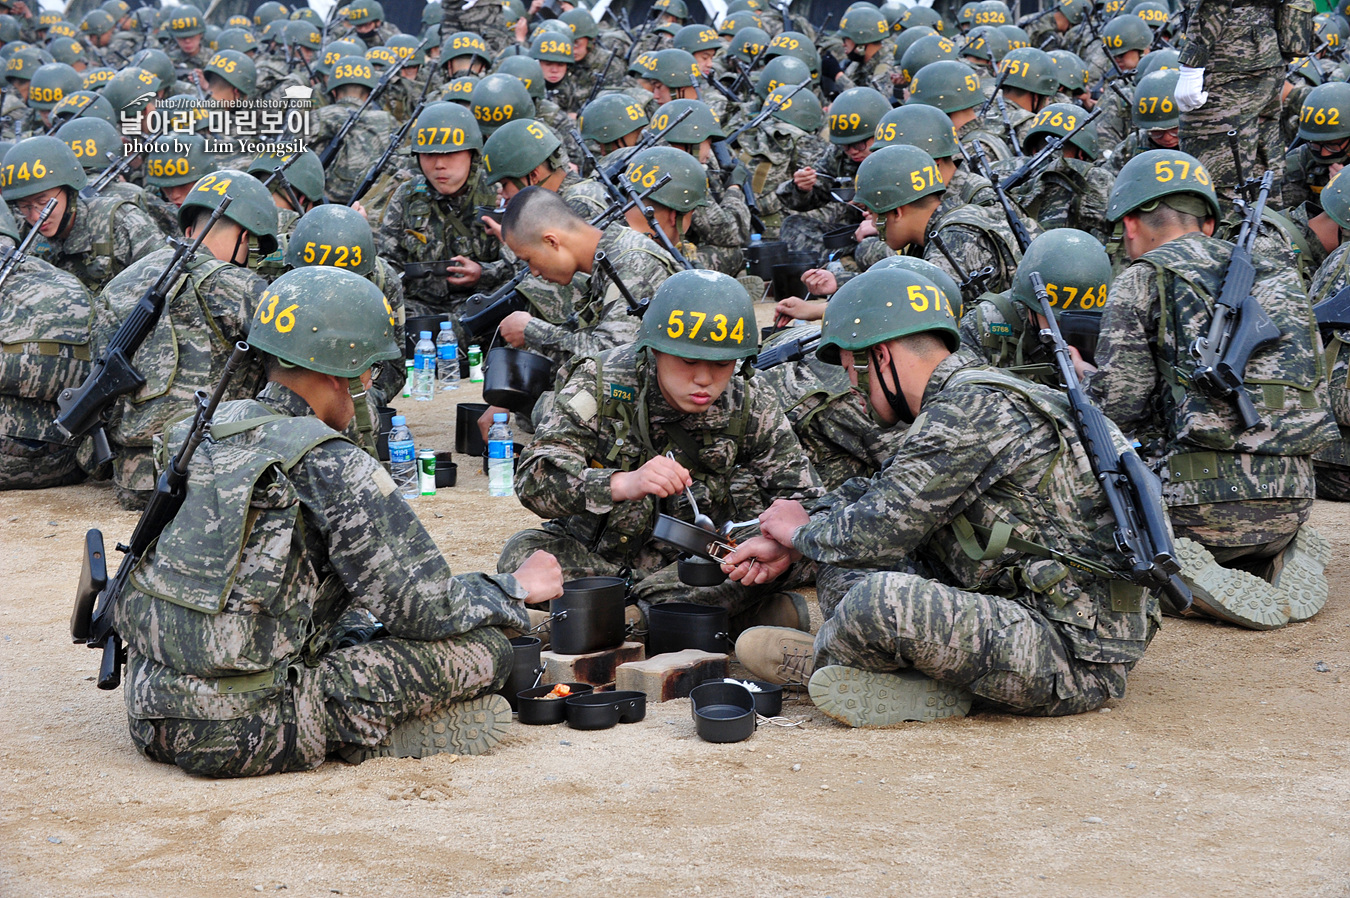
{"type": "Point", "coordinates": [534, 211]}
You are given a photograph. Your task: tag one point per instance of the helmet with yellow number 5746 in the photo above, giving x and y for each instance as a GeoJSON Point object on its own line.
{"type": "Point", "coordinates": [700, 314]}
{"type": "Point", "coordinates": [36, 164]}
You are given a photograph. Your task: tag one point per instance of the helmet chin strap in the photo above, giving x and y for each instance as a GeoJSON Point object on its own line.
{"type": "Point", "coordinates": [68, 216]}
{"type": "Point", "coordinates": [895, 398]}
{"type": "Point", "coordinates": [365, 427]}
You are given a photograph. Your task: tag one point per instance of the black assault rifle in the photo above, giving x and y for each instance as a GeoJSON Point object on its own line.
{"type": "Point", "coordinates": [110, 174]}
{"type": "Point", "coordinates": [1007, 125]}
{"type": "Point", "coordinates": [96, 599]}
{"type": "Point", "coordinates": [793, 350]}
{"type": "Point", "coordinates": [1019, 229]}
{"type": "Point", "coordinates": [1240, 325]}
{"type": "Point", "coordinates": [972, 284]}
{"type": "Point", "coordinates": [13, 258]}
{"type": "Point", "coordinates": [82, 408]}
{"type": "Point", "coordinates": [1133, 492]}
{"type": "Point", "coordinates": [394, 143]}
{"type": "Point", "coordinates": [1046, 153]}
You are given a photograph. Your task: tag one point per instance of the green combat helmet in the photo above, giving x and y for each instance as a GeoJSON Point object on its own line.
{"type": "Point", "coordinates": [700, 314]}
{"type": "Point", "coordinates": [1018, 39]}
{"type": "Point", "coordinates": [797, 45]}
{"type": "Point", "coordinates": [948, 85]}
{"type": "Point", "coordinates": [675, 68]}
{"type": "Point", "coordinates": [1071, 71]}
{"type": "Point", "coordinates": [693, 38]}
{"type": "Point", "coordinates": [1155, 105]}
{"type": "Point", "coordinates": [854, 115]}
{"type": "Point", "coordinates": [1075, 10]}
{"type": "Point", "coordinates": [237, 39]}
{"type": "Point", "coordinates": [734, 23]}
{"type": "Point", "coordinates": [1325, 116]}
{"type": "Point", "coordinates": [926, 127]}
{"type": "Point", "coordinates": [465, 43]}
{"type": "Point", "coordinates": [24, 61]}
{"type": "Point", "coordinates": [157, 62]}
{"type": "Point", "coordinates": [167, 165]}
{"type": "Point", "coordinates": [550, 47]}
{"type": "Point", "coordinates": [363, 12]}
{"type": "Point", "coordinates": [993, 12]}
{"type": "Point", "coordinates": [408, 49]}
{"type": "Point", "coordinates": [674, 8]}
{"type": "Point", "coordinates": [1031, 70]}
{"type": "Point", "coordinates": [747, 43]}
{"type": "Point", "coordinates": [37, 164]}
{"type": "Point", "coordinates": [1155, 15]}
{"type": "Point", "coordinates": [9, 29]}
{"type": "Point", "coordinates": [986, 42]}
{"type": "Point", "coordinates": [94, 142]}
{"type": "Point", "coordinates": [460, 90]}
{"type": "Point", "coordinates": [352, 70]}
{"type": "Point", "coordinates": [906, 39]}
{"type": "Point", "coordinates": [701, 124]}
{"type": "Point", "coordinates": [582, 24]}
{"type": "Point", "coordinates": [518, 148]}
{"type": "Point", "coordinates": [1335, 199]}
{"type": "Point", "coordinates": [300, 33]}
{"type": "Point", "coordinates": [924, 51]}
{"type": "Point", "coordinates": [71, 52]}
{"type": "Point", "coordinates": [336, 50]}
{"type": "Point", "coordinates": [1304, 68]}
{"type": "Point", "coordinates": [923, 15]}
{"type": "Point", "coordinates": [382, 58]}
{"type": "Point", "coordinates": [896, 176]}
{"type": "Point", "coordinates": [235, 69]}
{"type": "Point", "coordinates": [94, 79]}
{"type": "Point", "coordinates": [251, 207]}
{"type": "Point", "coordinates": [610, 117]}
{"type": "Point", "coordinates": [184, 21]}
{"type": "Point", "coordinates": [303, 14]}
{"type": "Point", "coordinates": [131, 90]}
{"type": "Point", "coordinates": [268, 12]}
{"type": "Point", "coordinates": [84, 104]}
{"type": "Point", "coordinates": [51, 84]}
{"type": "Point", "coordinates": [1075, 267]}
{"type": "Point", "coordinates": [926, 269]}
{"type": "Point", "coordinates": [802, 109]}
{"type": "Point", "coordinates": [63, 29]}
{"type": "Point", "coordinates": [499, 99]}
{"type": "Point", "coordinates": [332, 235]}
{"type": "Point", "coordinates": [1157, 61]}
{"type": "Point", "coordinates": [880, 305]}
{"type": "Point", "coordinates": [527, 69]}
{"type": "Point", "coordinates": [305, 175]}
{"type": "Point", "coordinates": [965, 16]}
{"type": "Point", "coordinates": [97, 21]}
{"type": "Point", "coordinates": [865, 25]}
{"type": "Point", "coordinates": [688, 185]}
{"type": "Point", "coordinates": [326, 320]}
{"type": "Point", "coordinates": [1156, 174]}
{"type": "Point", "coordinates": [782, 71]}
{"type": "Point", "coordinates": [1060, 119]}
{"type": "Point", "coordinates": [445, 128]}
{"type": "Point", "coordinates": [1125, 33]}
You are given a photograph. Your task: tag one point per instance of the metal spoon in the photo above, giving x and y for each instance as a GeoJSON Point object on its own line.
{"type": "Point", "coordinates": [729, 526]}
{"type": "Point", "coordinates": [700, 520]}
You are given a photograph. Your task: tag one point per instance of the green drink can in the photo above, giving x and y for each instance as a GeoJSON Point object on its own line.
{"type": "Point", "coordinates": [426, 472]}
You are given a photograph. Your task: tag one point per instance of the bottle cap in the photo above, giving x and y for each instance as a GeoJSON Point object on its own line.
{"type": "Point", "coordinates": [473, 347]}
{"type": "Point", "coordinates": [399, 420]}
{"type": "Point", "coordinates": [499, 418]}
{"type": "Point", "coordinates": [426, 335]}
{"type": "Point", "coordinates": [445, 325]}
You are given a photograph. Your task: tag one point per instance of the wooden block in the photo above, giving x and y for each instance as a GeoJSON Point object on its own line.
{"type": "Point", "coordinates": [596, 668]}
{"type": "Point", "coordinates": [672, 675]}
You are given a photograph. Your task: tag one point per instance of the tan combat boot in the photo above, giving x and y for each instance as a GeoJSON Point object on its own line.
{"type": "Point", "coordinates": [867, 698]}
{"type": "Point", "coordinates": [1228, 594]}
{"type": "Point", "coordinates": [472, 727]}
{"type": "Point", "coordinates": [778, 655]}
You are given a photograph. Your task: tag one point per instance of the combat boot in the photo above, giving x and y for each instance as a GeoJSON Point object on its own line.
{"type": "Point", "coordinates": [1228, 594]}
{"type": "Point", "coordinates": [866, 698]}
{"type": "Point", "coordinates": [778, 655]}
{"type": "Point", "coordinates": [473, 727]}
{"type": "Point", "coordinates": [782, 609]}
{"type": "Point", "coordinates": [1300, 578]}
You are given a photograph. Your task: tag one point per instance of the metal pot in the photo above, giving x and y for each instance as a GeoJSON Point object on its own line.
{"type": "Point", "coordinates": [602, 710]}
{"type": "Point", "coordinates": [787, 275]}
{"type": "Point", "coordinates": [447, 472]}
{"type": "Point", "coordinates": [839, 238]}
{"type": "Point", "coordinates": [761, 257]}
{"type": "Point", "coordinates": [723, 712]}
{"type": "Point", "coordinates": [515, 379]}
{"type": "Point", "coordinates": [690, 539]}
{"type": "Point", "coordinates": [675, 626]}
{"type": "Point", "coordinates": [414, 326]}
{"type": "Point", "coordinates": [468, 438]}
{"type": "Point", "coordinates": [696, 571]}
{"type": "Point", "coordinates": [535, 710]}
{"type": "Point", "coordinates": [589, 616]}
{"type": "Point", "coordinates": [769, 698]}
{"type": "Point", "coordinates": [525, 667]}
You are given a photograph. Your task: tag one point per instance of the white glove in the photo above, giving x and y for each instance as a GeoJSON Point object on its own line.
{"type": "Point", "coordinates": [1191, 93]}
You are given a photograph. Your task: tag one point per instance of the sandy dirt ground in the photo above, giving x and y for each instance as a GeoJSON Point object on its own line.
{"type": "Point", "coordinates": [1225, 770]}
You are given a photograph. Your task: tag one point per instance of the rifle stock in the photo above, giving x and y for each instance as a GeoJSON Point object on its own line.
{"type": "Point", "coordinates": [484, 312]}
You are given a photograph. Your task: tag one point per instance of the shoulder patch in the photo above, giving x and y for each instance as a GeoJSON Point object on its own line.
{"type": "Point", "coordinates": [1001, 328]}
{"type": "Point", "coordinates": [619, 392]}
{"type": "Point", "coordinates": [584, 405]}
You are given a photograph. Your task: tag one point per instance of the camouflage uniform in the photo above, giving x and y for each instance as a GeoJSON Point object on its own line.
{"type": "Point", "coordinates": [720, 228]}
{"type": "Point", "coordinates": [1067, 193]}
{"type": "Point", "coordinates": [362, 147]}
{"type": "Point", "coordinates": [803, 232]}
{"type": "Point", "coordinates": [773, 152]}
{"type": "Point", "coordinates": [991, 135]}
{"type": "Point", "coordinates": [874, 73]}
{"type": "Point", "coordinates": [610, 416]}
{"type": "Point", "coordinates": [400, 97]}
{"type": "Point", "coordinates": [420, 225]}
{"type": "Point", "coordinates": [237, 674]}
{"type": "Point", "coordinates": [1237, 493]}
{"type": "Point", "coordinates": [1022, 631]}
{"type": "Point", "coordinates": [1304, 178]}
{"type": "Point", "coordinates": [186, 351]}
{"type": "Point", "coordinates": [109, 234]}
{"type": "Point", "coordinates": [484, 18]}
{"type": "Point", "coordinates": [124, 45]}
{"type": "Point", "coordinates": [271, 72]}
{"type": "Point", "coordinates": [1332, 464]}
{"type": "Point", "coordinates": [181, 60]}
{"type": "Point", "coordinates": [977, 237]}
{"type": "Point", "coordinates": [1001, 332]}
{"type": "Point", "coordinates": [964, 188]}
{"type": "Point", "coordinates": [1235, 42]}
{"type": "Point", "coordinates": [1117, 118]}
{"type": "Point", "coordinates": [44, 332]}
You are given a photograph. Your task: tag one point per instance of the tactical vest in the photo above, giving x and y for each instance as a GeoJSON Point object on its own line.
{"type": "Point", "coordinates": [1007, 250]}
{"type": "Point", "coordinates": [99, 265]}
{"type": "Point", "coordinates": [40, 358]}
{"type": "Point", "coordinates": [600, 290]}
{"type": "Point", "coordinates": [1104, 618]}
{"type": "Point", "coordinates": [225, 597]}
{"type": "Point", "coordinates": [1010, 343]}
{"type": "Point", "coordinates": [1204, 439]}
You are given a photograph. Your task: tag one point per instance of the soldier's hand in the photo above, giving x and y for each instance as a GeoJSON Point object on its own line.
{"type": "Point", "coordinates": [464, 273]}
{"type": "Point", "coordinates": [821, 283]}
{"type": "Point", "coordinates": [1081, 366]}
{"type": "Point", "coordinates": [362, 209]}
{"type": "Point", "coordinates": [21, 10]}
{"type": "Point", "coordinates": [542, 577]}
{"type": "Point", "coordinates": [868, 228]}
{"type": "Point", "coordinates": [794, 308]}
{"type": "Point", "coordinates": [485, 420]}
{"type": "Point", "coordinates": [758, 560]}
{"type": "Point", "coordinates": [660, 476]}
{"type": "Point", "coordinates": [522, 29]}
{"type": "Point", "coordinates": [781, 520]}
{"type": "Point", "coordinates": [805, 179]}
{"type": "Point", "coordinates": [492, 225]}
{"type": "Point", "coordinates": [512, 328]}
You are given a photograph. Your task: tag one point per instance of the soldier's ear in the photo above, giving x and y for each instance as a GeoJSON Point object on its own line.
{"type": "Point", "coordinates": [1208, 227]}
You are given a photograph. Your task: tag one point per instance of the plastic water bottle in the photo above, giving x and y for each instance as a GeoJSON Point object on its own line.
{"type": "Point", "coordinates": [447, 357]}
{"type": "Point", "coordinates": [403, 458]}
{"type": "Point", "coordinates": [501, 448]}
{"type": "Point", "coordinates": [424, 368]}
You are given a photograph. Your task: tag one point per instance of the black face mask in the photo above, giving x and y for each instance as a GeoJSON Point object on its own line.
{"type": "Point", "coordinates": [857, 55]}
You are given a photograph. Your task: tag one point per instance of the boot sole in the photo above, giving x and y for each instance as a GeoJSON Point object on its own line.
{"type": "Point", "coordinates": [1302, 582]}
{"type": "Point", "coordinates": [1227, 594]}
{"type": "Point", "coordinates": [473, 727]}
{"type": "Point", "coordinates": [864, 698]}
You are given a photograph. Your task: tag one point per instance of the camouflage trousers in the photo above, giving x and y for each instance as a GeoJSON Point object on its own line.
{"type": "Point", "coordinates": [133, 476]}
{"type": "Point", "coordinates": [1237, 101]}
{"type": "Point", "coordinates": [32, 465]}
{"type": "Point", "coordinates": [354, 697]}
{"type": "Point", "coordinates": [804, 232]}
{"type": "Point", "coordinates": [648, 587]}
{"type": "Point", "coordinates": [1333, 482]}
{"type": "Point", "coordinates": [1011, 657]}
{"type": "Point", "coordinates": [1252, 530]}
